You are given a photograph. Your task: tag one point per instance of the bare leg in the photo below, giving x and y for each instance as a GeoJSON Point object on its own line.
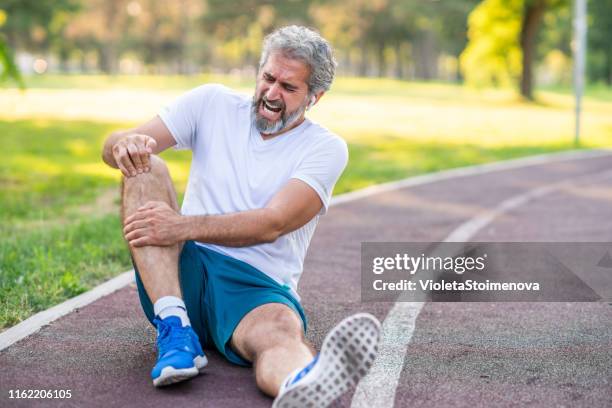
{"type": "Point", "coordinates": [271, 337]}
{"type": "Point", "coordinates": [157, 265]}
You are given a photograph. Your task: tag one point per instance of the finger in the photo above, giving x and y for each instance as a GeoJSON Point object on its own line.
{"type": "Point", "coordinates": [127, 163]}
{"type": "Point", "coordinates": [135, 156]}
{"type": "Point", "coordinates": [145, 155]}
{"type": "Point", "coordinates": [135, 235]}
{"type": "Point", "coordinates": [117, 154]}
{"type": "Point", "coordinates": [140, 242]}
{"type": "Point", "coordinates": [138, 215]}
{"type": "Point", "coordinates": [124, 171]}
{"type": "Point", "coordinates": [134, 225]}
{"type": "Point", "coordinates": [149, 205]}
{"type": "Point", "coordinates": [150, 144]}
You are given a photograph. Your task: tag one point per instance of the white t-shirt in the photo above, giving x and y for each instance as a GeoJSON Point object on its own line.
{"type": "Point", "coordinates": [233, 169]}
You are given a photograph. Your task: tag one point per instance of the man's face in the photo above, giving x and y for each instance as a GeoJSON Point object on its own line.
{"type": "Point", "coordinates": [281, 95]}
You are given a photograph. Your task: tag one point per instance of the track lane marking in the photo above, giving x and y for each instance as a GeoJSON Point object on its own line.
{"type": "Point", "coordinates": [378, 388]}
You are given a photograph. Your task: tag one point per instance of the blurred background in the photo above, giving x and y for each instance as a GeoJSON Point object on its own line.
{"type": "Point", "coordinates": [423, 85]}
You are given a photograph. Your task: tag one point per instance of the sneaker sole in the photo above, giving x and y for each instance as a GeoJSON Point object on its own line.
{"type": "Point", "coordinates": [170, 375]}
{"type": "Point", "coordinates": [347, 354]}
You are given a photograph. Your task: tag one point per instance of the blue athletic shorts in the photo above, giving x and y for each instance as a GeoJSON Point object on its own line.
{"type": "Point", "coordinates": [219, 291]}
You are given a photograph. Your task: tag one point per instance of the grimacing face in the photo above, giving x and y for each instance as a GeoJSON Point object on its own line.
{"type": "Point", "coordinates": [281, 94]}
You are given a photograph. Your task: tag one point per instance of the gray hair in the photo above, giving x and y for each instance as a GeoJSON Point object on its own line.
{"type": "Point", "coordinates": [302, 43]}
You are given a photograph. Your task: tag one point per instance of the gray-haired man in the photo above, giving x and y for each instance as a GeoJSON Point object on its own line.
{"type": "Point", "coordinates": [223, 271]}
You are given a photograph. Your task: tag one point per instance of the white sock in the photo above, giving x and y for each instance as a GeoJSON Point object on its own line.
{"type": "Point", "coordinates": [171, 306]}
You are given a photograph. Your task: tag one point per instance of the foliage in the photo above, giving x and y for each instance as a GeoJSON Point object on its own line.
{"type": "Point", "coordinates": [8, 69]}
{"type": "Point", "coordinates": [599, 63]}
{"type": "Point", "coordinates": [32, 24]}
{"type": "Point", "coordinates": [505, 42]}
{"type": "Point", "coordinates": [7, 64]}
{"type": "Point", "coordinates": [493, 55]}
{"type": "Point", "coordinates": [410, 39]}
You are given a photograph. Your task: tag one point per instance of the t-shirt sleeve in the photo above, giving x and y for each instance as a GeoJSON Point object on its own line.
{"type": "Point", "coordinates": [183, 115]}
{"type": "Point", "coordinates": [322, 168]}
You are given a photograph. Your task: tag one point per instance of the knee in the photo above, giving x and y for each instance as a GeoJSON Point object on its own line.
{"type": "Point", "coordinates": [283, 326]}
{"type": "Point", "coordinates": [287, 322]}
{"type": "Point", "coordinates": [158, 166]}
{"type": "Point", "coordinates": [159, 170]}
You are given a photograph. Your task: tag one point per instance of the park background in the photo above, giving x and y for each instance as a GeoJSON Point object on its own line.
{"type": "Point", "coordinates": [422, 86]}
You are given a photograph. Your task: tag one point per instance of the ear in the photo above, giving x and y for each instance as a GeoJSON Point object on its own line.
{"type": "Point", "coordinates": [315, 98]}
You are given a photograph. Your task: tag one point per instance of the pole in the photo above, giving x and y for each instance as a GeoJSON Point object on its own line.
{"type": "Point", "coordinates": [580, 29]}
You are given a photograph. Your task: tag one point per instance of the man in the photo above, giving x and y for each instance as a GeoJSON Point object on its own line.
{"type": "Point", "coordinates": [223, 271]}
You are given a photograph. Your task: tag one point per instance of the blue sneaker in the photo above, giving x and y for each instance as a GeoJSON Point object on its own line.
{"type": "Point", "coordinates": [346, 356]}
{"type": "Point", "coordinates": [180, 354]}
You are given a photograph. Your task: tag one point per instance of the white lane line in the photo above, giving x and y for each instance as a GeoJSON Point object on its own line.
{"type": "Point", "coordinates": [378, 388]}
{"type": "Point", "coordinates": [469, 171]}
{"type": "Point", "coordinates": [36, 322]}
{"type": "Point", "coordinates": [45, 317]}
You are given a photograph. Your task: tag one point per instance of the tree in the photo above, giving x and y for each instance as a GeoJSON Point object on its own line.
{"type": "Point", "coordinates": [533, 11]}
{"type": "Point", "coordinates": [239, 26]}
{"type": "Point", "coordinates": [600, 45]}
{"type": "Point", "coordinates": [492, 55]}
{"type": "Point", "coordinates": [503, 39]}
{"type": "Point", "coordinates": [29, 21]}
{"type": "Point", "coordinates": [7, 63]}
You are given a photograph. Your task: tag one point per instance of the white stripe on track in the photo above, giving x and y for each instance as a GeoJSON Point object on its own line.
{"type": "Point", "coordinates": [378, 388]}
{"type": "Point", "coordinates": [36, 322]}
{"type": "Point", "coordinates": [45, 317]}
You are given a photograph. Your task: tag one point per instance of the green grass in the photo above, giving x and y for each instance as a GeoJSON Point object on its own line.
{"type": "Point", "coordinates": [57, 241]}
{"type": "Point", "coordinates": [44, 266]}
{"type": "Point", "coordinates": [59, 202]}
{"type": "Point", "coordinates": [392, 158]}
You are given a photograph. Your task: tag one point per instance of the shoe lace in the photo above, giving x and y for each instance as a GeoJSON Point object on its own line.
{"type": "Point", "coordinates": [172, 337]}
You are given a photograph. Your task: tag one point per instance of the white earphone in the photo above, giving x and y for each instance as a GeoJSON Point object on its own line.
{"type": "Point", "coordinates": [313, 99]}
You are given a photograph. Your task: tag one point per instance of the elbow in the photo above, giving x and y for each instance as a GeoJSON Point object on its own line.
{"type": "Point", "coordinates": [269, 238]}
{"type": "Point", "coordinates": [274, 229]}
{"type": "Point", "coordinates": [271, 235]}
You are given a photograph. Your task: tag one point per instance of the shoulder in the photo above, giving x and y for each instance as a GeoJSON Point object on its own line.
{"type": "Point", "coordinates": [323, 139]}
{"type": "Point", "coordinates": [216, 92]}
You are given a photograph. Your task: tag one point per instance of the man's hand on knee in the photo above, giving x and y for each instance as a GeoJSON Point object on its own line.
{"type": "Point", "coordinates": [132, 154]}
{"type": "Point", "coordinates": [156, 224]}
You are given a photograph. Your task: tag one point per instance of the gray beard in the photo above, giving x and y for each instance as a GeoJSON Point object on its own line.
{"type": "Point", "coordinates": [265, 126]}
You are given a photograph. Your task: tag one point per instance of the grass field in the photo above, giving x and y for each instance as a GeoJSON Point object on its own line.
{"type": "Point", "coordinates": [59, 202]}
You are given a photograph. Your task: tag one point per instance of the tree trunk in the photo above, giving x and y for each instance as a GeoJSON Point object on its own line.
{"type": "Point", "coordinates": [363, 65]}
{"type": "Point", "coordinates": [108, 53]}
{"type": "Point", "coordinates": [426, 55]}
{"type": "Point", "coordinates": [347, 66]}
{"type": "Point", "coordinates": [532, 17]}
{"type": "Point", "coordinates": [380, 56]}
{"type": "Point", "coordinates": [107, 58]}
{"type": "Point", "coordinates": [609, 67]}
{"type": "Point", "coordinates": [183, 37]}
{"type": "Point", "coordinates": [83, 63]}
{"type": "Point", "coordinates": [399, 62]}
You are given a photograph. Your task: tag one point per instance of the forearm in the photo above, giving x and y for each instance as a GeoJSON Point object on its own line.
{"type": "Point", "coordinates": [239, 229]}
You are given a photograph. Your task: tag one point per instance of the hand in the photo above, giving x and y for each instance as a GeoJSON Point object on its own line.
{"type": "Point", "coordinates": [155, 223]}
{"type": "Point", "coordinates": [132, 154]}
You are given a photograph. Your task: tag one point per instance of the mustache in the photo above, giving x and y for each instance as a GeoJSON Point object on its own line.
{"type": "Point", "coordinates": [275, 104]}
